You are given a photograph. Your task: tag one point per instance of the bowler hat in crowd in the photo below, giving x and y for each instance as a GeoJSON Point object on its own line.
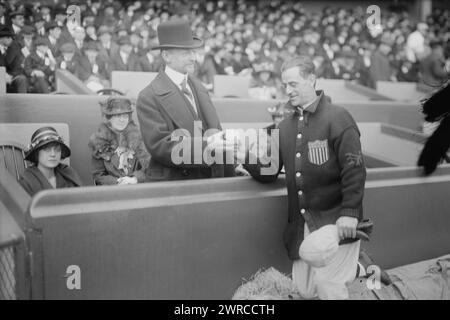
{"type": "Point", "coordinates": [41, 41]}
{"type": "Point", "coordinates": [104, 29]}
{"type": "Point", "coordinates": [6, 31]}
{"type": "Point", "coordinates": [176, 33]}
{"type": "Point", "coordinates": [124, 40]}
{"type": "Point", "coordinates": [28, 30]}
{"type": "Point", "coordinates": [116, 105]}
{"type": "Point", "coordinates": [42, 137]}
{"type": "Point", "coordinates": [16, 13]}
{"type": "Point", "coordinates": [91, 46]}
{"type": "Point", "coordinates": [68, 47]}
{"type": "Point", "coordinates": [51, 25]}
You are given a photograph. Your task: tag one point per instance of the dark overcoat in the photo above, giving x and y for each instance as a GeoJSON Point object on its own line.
{"type": "Point", "coordinates": [161, 109]}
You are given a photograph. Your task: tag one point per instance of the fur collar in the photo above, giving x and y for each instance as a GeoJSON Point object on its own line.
{"type": "Point", "coordinates": [105, 141]}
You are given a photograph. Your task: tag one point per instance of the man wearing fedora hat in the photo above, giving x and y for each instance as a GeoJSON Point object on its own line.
{"type": "Point", "coordinates": [107, 47]}
{"type": "Point", "coordinates": [53, 31]}
{"type": "Point", "coordinates": [12, 59]}
{"type": "Point", "coordinates": [124, 59]}
{"type": "Point", "coordinates": [175, 100]}
{"type": "Point", "coordinates": [17, 21]}
{"type": "Point", "coordinates": [92, 67]}
{"type": "Point", "coordinates": [68, 60]}
{"type": "Point", "coordinates": [39, 67]}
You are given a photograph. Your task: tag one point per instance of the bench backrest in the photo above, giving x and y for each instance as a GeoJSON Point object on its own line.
{"type": "Point", "coordinates": [231, 86]}
{"type": "Point", "coordinates": [68, 83]}
{"type": "Point", "coordinates": [131, 83]}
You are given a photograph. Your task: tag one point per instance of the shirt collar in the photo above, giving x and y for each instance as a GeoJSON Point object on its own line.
{"type": "Point", "coordinates": [16, 29]}
{"type": "Point", "coordinates": [312, 106]}
{"type": "Point", "coordinates": [175, 76]}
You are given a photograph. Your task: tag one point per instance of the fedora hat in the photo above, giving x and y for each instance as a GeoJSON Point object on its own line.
{"type": "Point", "coordinates": [6, 31]}
{"type": "Point", "coordinates": [68, 47]}
{"type": "Point", "coordinates": [176, 33]}
{"type": "Point", "coordinates": [42, 137]}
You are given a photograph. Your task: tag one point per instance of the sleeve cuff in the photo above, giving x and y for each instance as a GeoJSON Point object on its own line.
{"type": "Point", "coordinates": [347, 212]}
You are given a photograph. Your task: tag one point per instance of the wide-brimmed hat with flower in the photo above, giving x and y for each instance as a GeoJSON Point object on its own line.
{"type": "Point", "coordinates": [42, 137]}
{"type": "Point", "coordinates": [176, 33]}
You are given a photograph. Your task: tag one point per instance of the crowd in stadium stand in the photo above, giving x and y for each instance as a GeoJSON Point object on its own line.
{"type": "Point", "coordinates": [242, 37]}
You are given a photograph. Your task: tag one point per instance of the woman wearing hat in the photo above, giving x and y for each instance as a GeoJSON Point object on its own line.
{"type": "Point", "coordinates": [118, 153]}
{"type": "Point", "coordinates": [264, 85]}
{"type": "Point", "coordinates": [45, 152]}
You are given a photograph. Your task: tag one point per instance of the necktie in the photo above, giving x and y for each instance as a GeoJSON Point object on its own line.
{"type": "Point", "coordinates": [187, 93]}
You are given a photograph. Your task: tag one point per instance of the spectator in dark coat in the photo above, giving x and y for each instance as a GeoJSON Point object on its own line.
{"type": "Point", "coordinates": [67, 60]}
{"type": "Point", "coordinates": [125, 59]}
{"type": "Point", "coordinates": [432, 67]}
{"type": "Point", "coordinates": [93, 68]}
{"type": "Point", "coordinates": [380, 66]}
{"type": "Point", "coordinates": [46, 151]}
{"type": "Point", "coordinates": [149, 62]}
{"type": "Point", "coordinates": [17, 21]}
{"type": "Point", "coordinates": [107, 47]}
{"type": "Point", "coordinates": [25, 40]}
{"type": "Point", "coordinates": [53, 34]}
{"type": "Point", "coordinates": [11, 58]}
{"type": "Point", "coordinates": [39, 67]}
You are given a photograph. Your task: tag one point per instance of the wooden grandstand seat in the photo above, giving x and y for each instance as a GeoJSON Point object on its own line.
{"type": "Point", "coordinates": [14, 139]}
{"type": "Point", "coordinates": [12, 158]}
{"type": "Point", "coordinates": [131, 83]}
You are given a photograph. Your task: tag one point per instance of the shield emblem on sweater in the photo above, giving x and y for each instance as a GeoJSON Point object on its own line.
{"type": "Point", "coordinates": [318, 152]}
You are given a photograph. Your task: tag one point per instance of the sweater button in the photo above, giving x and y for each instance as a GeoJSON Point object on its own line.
{"type": "Point", "coordinates": [299, 136]}
{"type": "Point", "coordinates": [302, 211]}
{"type": "Point", "coordinates": [298, 155]}
{"type": "Point", "coordinates": [300, 192]}
{"type": "Point", "coordinates": [298, 174]}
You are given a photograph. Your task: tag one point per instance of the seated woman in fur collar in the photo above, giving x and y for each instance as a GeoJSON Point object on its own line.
{"type": "Point", "coordinates": [118, 153]}
{"type": "Point", "coordinates": [45, 152]}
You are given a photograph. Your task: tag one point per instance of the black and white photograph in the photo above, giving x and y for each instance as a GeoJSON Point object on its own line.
{"type": "Point", "coordinates": [214, 153]}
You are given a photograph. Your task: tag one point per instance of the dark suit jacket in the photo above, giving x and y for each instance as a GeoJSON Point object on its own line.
{"type": "Point", "coordinates": [380, 67]}
{"type": "Point", "coordinates": [32, 62]}
{"type": "Point", "coordinates": [85, 68]}
{"type": "Point", "coordinates": [161, 109]}
{"type": "Point", "coordinates": [146, 66]}
{"type": "Point", "coordinates": [106, 54]}
{"type": "Point", "coordinates": [117, 63]}
{"type": "Point", "coordinates": [12, 60]}
{"type": "Point", "coordinates": [433, 70]}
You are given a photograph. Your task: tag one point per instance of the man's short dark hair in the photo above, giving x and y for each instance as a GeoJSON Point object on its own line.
{"type": "Point", "coordinates": [304, 63]}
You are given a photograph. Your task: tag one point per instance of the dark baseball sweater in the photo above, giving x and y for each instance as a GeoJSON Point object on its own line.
{"type": "Point", "coordinates": [325, 173]}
